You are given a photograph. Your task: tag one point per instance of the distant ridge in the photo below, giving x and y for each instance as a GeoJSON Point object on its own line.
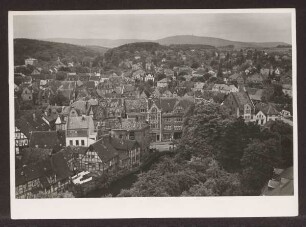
{"type": "Point", "coordinates": [179, 39]}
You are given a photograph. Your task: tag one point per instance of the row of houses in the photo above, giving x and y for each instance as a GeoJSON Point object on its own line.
{"type": "Point", "coordinates": [241, 105]}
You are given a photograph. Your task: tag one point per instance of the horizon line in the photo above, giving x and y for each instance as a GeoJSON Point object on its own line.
{"type": "Point", "coordinates": [149, 40]}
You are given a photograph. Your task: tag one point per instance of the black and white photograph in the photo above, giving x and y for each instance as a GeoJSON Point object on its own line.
{"type": "Point", "coordinates": [149, 113]}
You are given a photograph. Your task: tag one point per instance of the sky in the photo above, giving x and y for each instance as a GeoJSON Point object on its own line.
{"type": "Point", "coordinates": [246, 27]}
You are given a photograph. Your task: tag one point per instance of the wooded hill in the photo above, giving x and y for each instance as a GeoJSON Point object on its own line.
{"type": "Point", "coordinates": [49, 51]}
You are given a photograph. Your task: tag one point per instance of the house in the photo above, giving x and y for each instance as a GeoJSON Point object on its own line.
{"type": "Point", "coordinates": [287, 89]}
{"type": "Point", "coordinates": [44, 96]}
{"type": "Point", "coordinates": [128, 90]}
{"type": "Point", "coordinates": [31, 61]}
{"type": "Point", "coordinates": [167, 93]}
{"type": "Point", "coordinates": [27, 95]}
{"type": "Point", "coordinates": [255, 78]}
{"type": "Point", "coordinates": [223, 88]}
{"type": "Point", "coordinates": [281, 183]}
{"type": "Point", "coordinates": [132, 129]}
{"type": "Point", "coordinates": [173, 111]}
{"type": "Point", "coordinates": [21, 140]}
{"type": "Point", "coordinates": [266, 71]}
{"type": "Point", "coordinates": [240, 105]}
{"type": "Point", "coordinates": [80, 130]}
{"type": "Point", "coordinates": [162, 83]}
{"type": "Point", "coordinates": [212, 73]}
{"type": "Point", "coordinates": [67, 90]}
{"type": "Point", "coordinates": [136, 108]}
{"type": "Point", "coordinates": [154, 119]}
{"type": "Point", "coordinates": [138, 74]}
{"type": "Point", "coordinates": [285, 113]}
{"type": "Point", "coordinates": [198, 86]}
{"type": "Point", "coordinates": [148, 77]}
{"type": "Point", "coordinates": [46, 139]}
{"type": "Point", "coordinates": [72, 77]}
{"type": "Point", "coordinates": [48, 175]}
{"type": "Point", "coordinates": [24, 127]}
{"type": "Point", "coordinates": [238, 78]}
{"type": "Point", "coordinates": [265, 112]}
{"type": "Point", "coordinates": [277, 72]}
{"type": "Point", "coordinates": [199, 72]}
{"type": "Point", "coordinates": [104, 77]}
{"type": "Point", "coordinates": [254, 93]}
{"type": "Point", "coordinates": [110, 154]}
{"type": "Point", "coordinates": [169, 73]}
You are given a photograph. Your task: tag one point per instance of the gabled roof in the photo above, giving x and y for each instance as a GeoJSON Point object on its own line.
{"type": "Point", "coordinates": [254, 93]}
{"type": "Point", "coordinates": [54, 165]}
{"type": "Point", "coordinates": [31, 122]}
{"type": "Point", "coordinates": [167, 104]}
{"type": "Point", "coordinates": [165, 80]}
{"type": "Point", "coordinates": [267, 109]}
{"type": "Point", "coordinates": [104, 149]}
{"type": "Point", "coordinates": [80, 105]}
{"type": "Point", "coordinates": [122, 144]}
{"type": "Point", "coordinates": [242, 98]}
{"type": "Point", "coordinates": [132, 105]}
{"type": "Point", "coordinates": [234, 76]}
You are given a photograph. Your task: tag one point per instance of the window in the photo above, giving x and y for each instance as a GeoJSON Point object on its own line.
{"type": "Point", "coordinates": [77, 142]}
{"type": "Point", "coordinates": [153, 125]}
{"type": "Point", "coordinates": [30, 97]}
{"type": "Point", "coordinates": [82, 142]}
{"type": "Point", "coordinates": [167, 119]}
{"type": "Point", "coordinates": [132, 135]}
{"type": "Point", "coordinates": [153, 117]}
{"type": "Point", "coordinates": [177, 127]}
{"type": "Point", "coordinates": [70, 142]}
{"type": "Point", "coordinates": [179, 119]}
{"type": "Point", "coordinates": [143, 110]}
{"type": "Point", "coordinates": [167, 127]}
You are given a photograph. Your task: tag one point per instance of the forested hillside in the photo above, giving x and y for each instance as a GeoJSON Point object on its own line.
{"type": "Point", "coordinates": [49, 51]}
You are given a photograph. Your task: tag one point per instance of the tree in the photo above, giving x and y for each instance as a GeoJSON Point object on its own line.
{"type": "Point", "coordinates": [233, 142]}
{"type": "Point", "coordinates": [258, 161]}
{"type": "Point", "coordinates": [195, 65]}
{"type": "Point", "coordinates": [203, 127]}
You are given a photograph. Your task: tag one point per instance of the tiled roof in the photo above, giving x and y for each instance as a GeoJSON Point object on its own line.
{"type": "Point", "coordinates": [32, 155]}
{"type": "Point", "coordinates": [121, 144]}
{"type": "Point", "coordinates": [134, 105]}
{"type": "Point", "coordinates": [267, 109]}
{"type": "Point", "coordinates": [242, 98]}
{"type": "Point", "coordinates": [81, 122]}
{"type": "Point", "coordinates": [29, 123]}
{"type": "Point", "coordinates": [80, 105]}
{"type": "Point", "coordinates": [56, 164]}
{"type": "Point", "coordinates": [89, 84]}
{"type": "Point", "coordinates": [104, 149]}
{"type": "Point", "coordinates": [234, 76]}
{"type": "Point", "coordinates": [44, 139]}
{"type": "Point", "coordinates": [94, 78]}
{"type": "Point", "coordinates": [129, 124]}
{"type": "Point", "coordinates": [255, 77]}
{"type": "Point", "coordinates": [254, 93]}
